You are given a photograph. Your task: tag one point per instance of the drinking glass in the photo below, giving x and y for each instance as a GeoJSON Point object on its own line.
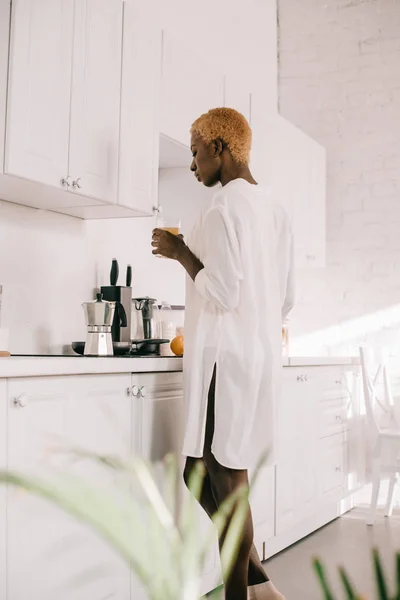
{"type": "Point", "coordinates": [168, 223]}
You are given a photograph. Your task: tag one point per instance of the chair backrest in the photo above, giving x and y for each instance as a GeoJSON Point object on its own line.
{"type": "Point", "coordinates": [377, 389]}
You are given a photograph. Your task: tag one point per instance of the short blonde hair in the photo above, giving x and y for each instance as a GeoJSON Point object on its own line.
{"type": "Point", "coordinates": [229, 125]}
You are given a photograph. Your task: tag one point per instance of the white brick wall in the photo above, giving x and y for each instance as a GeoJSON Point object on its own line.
{"type": "Point", "coordinates": [340, 82]}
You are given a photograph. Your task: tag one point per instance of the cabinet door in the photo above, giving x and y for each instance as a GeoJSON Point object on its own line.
{"type": "Point", "coordinates": [95, 98]}
{"type": "Point", "coordinates": [237, 97]}
{"type": "Point", "coordinates": [51, 555]}
{"type": "Point", "coordinates": [139, 142]}
{"type": "Point", "coordinates": [39, 88]}
{"type": "Point", "coordinates": [332, 467]}
{"type": "Point", "coordinates": [3, 506]}
{"type": "Point", "coordinates": [262, 502]}
{"type": "Point", "coordinates": [158, 420]}
{"type": "Point", "coordinates": [293, 165]}
{"type": "Point", "coordinates": [190, 87]}
{"type": "Point", "coordinates": [296, 471]}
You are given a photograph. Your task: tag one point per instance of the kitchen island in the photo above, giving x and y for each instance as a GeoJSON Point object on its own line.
{"type": "Point", "coordinates": [124, 405]}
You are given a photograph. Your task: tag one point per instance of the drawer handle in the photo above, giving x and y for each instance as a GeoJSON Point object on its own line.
{"type": "Point", "coordinates": [339, 418]}
{"type": "Point", "coordinates": [21, 401]}
{"type": "Point", "coordinates": [136, 391]}
{"type": "Point", "coordinates": [338, 469]}
{"type": "Point", "coordinates": [338, 382]}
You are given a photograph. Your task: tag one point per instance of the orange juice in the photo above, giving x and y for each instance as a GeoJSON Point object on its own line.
{"type": "Point", "coordinates": [173, 230]}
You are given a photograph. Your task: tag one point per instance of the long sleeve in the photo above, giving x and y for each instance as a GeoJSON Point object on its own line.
{"type": "Point", "coordinates": [219, 281]}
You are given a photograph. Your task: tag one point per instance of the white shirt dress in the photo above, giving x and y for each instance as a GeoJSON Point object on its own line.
{"type": "Point", "coordinates": [233, 319]}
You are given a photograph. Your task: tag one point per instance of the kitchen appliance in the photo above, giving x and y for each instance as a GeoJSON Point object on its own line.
{"type": "Point", "coordinates": [145, 324]}
{"type": "Point", "coordinates": [99, 317]}
{"type": "Point", "coordinates": [122, 296]}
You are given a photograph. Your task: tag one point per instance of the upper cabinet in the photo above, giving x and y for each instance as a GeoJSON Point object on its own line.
{"type": "Point", "coordinates": [81, 107]}
{"type": "Point", "coordinates": [190, 87]}
{"type": "Point", "coordinates": [294, 166]}
{"type": "Point", "coordinates": [39, 90]}
{"type": "Point", "coordinates": [96, 98]}
{"type": "Point", "coordinates": [139, 135]}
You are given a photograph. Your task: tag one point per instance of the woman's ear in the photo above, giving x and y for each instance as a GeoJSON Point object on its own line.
{"type": "Point", "coordinates": [218, 147]}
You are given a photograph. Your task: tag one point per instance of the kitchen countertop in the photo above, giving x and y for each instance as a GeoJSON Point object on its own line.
{"type": "Point", "coordinates": [43, 366]}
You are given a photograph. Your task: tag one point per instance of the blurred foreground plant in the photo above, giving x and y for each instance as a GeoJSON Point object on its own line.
{"type": "Point", "coordinates": [140, 524]}
{"type": "Point", "coordinates": [350, 592]}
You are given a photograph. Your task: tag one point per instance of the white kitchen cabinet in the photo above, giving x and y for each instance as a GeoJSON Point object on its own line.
{"type": "Point", "coordinates": [79, 98]}
{"type": "Point", "coordinates": [262, 502]}
{"type": "Point", "coordinates": [3, 497]}
{"type": "Point", "coordinates": [293, 166]}
{"type": "Point", "coordinates": [158, 421]}
{"type": "Point", "coordinates": [296, 477]}
{"type": "Point", "coordinates": [39, 89]}
{"type": "Point", "coordinates": [236, 96]}
{"type": "Point", "coordinates": [96, 98]}
{"type": "Point", "coordinates": [190, 87]}
{"type": "Point", "coordinates": [320, 446]}
{"type": "Point", "coordinates": [139, 135]}
{"type": "Point", "coordinates": [64, 95]}
{"type": "Point", "coordinates": [49, 554]}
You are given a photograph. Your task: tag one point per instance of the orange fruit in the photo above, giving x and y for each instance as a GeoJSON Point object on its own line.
{"type": "Point", "coordinates": [177, 345]}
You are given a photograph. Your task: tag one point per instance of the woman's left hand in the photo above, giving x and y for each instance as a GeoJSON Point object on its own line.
{"type": "Point", "coordinates": [167, 244]}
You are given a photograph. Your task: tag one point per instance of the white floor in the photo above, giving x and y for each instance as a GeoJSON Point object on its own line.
{"type": "Point", "coordinates": [347, 541]}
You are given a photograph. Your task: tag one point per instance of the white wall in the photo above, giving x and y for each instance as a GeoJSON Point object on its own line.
{"type": "Point", "coordinates": [340, 82]}
{"type": "Point", "coordinates": [46, 272]}
{"type": "Point", "coordinates": [50, 264]}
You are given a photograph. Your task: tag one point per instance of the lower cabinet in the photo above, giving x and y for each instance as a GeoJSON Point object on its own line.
{"type": "Point", "coordinates": [49, 554]}
{"type": "Point", "coordinates": [45, 554]}
{"type": "Point", "coordinates": [158, 425]}
{"type": "Point", "coordinates": [262, 502]}
{"type": "Point", "coordinates": [321, 451]}
{"type": "Point", "coordinates": [3, 504]}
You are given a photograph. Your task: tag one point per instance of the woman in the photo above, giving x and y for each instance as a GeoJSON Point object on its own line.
{"type": "Point", "coordinates": [239, 264]}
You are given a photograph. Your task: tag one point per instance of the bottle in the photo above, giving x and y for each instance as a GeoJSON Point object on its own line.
{"type": "Point", "coordinates": [168, 328]}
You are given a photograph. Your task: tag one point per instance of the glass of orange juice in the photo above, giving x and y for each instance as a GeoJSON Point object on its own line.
{"type": "Point", "coordinates": [168, 223]}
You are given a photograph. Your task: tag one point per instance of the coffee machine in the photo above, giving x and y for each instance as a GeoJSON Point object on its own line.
{"type": "Point", "coordinates": [122, 296]}
{"type": "Point", "coordinates": [99, 316]}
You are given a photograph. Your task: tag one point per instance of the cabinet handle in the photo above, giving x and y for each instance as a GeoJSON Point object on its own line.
{"type": "Point", "coordinates": [338, 382]}
{"type": "Point", "coordinates": [302, 378]}
{"type": "Point", "coordinates": [339, 418]}
{"type": "Point", "coordinates": [135, 391]}
{"type": "Point", "coordinates": [66, 181]}
{"type": "Point", "coordinates": [21, 401]}
{"type": "Point", "coordinates": [142, 392]}
{"type": "Point", "coordinates": [338, 469]}
{"type": "Point", "coordinates": [157, 210]}
{"type": "Point", "coordinates": [76, 184]}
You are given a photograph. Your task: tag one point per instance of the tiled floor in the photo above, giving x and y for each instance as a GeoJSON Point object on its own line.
{"type": "Point", "coordinates": [347, 541]}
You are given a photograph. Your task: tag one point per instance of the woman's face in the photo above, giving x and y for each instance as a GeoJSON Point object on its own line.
{"type": "Point", "coordinates": [206, 162]}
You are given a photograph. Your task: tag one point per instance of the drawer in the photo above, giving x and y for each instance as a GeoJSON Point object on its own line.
{"type": "Point", "coordinates": [333, 417]}
{"type": "Point", "coordinates": [336, 383]}
{"type": "Point", "coordinates": [332, 467]}
{"type": "Point", "coordinates": [328, 382]}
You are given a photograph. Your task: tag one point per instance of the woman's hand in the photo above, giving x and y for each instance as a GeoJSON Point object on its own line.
{"type": "Point", "coordinates": [167, 244]}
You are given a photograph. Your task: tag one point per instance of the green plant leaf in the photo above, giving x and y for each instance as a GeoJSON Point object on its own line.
{"type": "Point", "coordinates": [350, 591]}
{"type": "Point", "coordinates": [319, 569]}
{"type": "Point", "coordinates": [397, 597]}
{"type": "Point", "coordinates": [380, 577]}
